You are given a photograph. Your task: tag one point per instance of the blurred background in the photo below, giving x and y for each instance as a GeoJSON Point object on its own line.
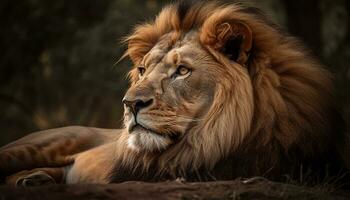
{"type": "Point", "coordinates": [57, 58]}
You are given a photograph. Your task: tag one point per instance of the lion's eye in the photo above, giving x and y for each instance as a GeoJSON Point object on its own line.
{"type": "Point", "coordinates": [182, 70]}
{"type": "Point", "coordinates": [141, 70]}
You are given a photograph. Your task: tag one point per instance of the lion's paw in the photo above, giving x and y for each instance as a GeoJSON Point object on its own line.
{"type": "Point", "coordinates": [37, 178]}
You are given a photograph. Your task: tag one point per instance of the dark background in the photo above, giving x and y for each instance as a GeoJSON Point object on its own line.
{"type": "Point", "coordinates": [57, 58]}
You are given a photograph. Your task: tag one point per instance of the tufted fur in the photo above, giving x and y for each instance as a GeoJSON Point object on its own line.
{"type": "Point", "coordinates": [287, 120]}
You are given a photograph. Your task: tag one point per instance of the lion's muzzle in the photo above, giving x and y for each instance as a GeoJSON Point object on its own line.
{"type": "Point", "coordinates": [137, 104]}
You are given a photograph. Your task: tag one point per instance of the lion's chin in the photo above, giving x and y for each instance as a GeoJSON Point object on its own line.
{"type": "Point", "coordinates": [146, 140]}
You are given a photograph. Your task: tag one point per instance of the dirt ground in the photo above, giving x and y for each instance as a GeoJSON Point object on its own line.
{"type": "Point", "coordinates": [174, 190]}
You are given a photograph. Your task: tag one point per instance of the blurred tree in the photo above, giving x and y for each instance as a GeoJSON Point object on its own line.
{"type": "Point", "coordinates": [304, 20]}
{"type": "Point", "coordinates": [57, 62]}
{"type": "Point", "coordinates": [336, 39]}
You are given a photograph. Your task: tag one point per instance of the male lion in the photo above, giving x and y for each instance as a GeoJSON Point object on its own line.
{"type": "Point", "coordinates": [217, 92]}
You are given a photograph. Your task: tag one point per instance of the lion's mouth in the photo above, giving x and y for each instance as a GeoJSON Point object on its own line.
{"type": "Point", "coordinates": [139, 128]}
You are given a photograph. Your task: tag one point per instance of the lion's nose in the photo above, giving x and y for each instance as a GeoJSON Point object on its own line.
{"type": "Point", "coordinates": [137, 104]}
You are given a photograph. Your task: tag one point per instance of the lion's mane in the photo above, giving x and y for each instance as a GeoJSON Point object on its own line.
{"type": "Point", "coordinates": [289, 96]}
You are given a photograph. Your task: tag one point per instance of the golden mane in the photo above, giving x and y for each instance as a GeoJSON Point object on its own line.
{"type": "Point", "coordinates": [288, 110]}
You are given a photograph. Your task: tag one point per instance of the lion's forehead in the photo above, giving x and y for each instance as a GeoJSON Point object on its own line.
{"type": "Point", "coordinates": [168, 51]}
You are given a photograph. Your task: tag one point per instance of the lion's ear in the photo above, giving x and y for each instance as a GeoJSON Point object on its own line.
{"type": "Point", "coordinates": [234, 39]}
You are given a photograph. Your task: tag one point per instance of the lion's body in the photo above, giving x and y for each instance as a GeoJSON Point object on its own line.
{"type": "Point", "coordinates": [55, 148]}
{"type": "Point", "coordinates": [250, 101]}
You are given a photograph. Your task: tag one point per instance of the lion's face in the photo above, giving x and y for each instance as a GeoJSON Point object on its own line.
{"type": "Point", "coordinates": [172, 93]}
{"type": "Point", "coordinates": [190, 83]}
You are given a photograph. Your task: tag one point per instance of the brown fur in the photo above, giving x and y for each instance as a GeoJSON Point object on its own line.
{"type": "Point", "coordinates": [272, 111]}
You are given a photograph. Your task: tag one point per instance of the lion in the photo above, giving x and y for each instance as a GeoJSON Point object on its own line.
{"type": "Point", "coordinates": [217, 92]}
